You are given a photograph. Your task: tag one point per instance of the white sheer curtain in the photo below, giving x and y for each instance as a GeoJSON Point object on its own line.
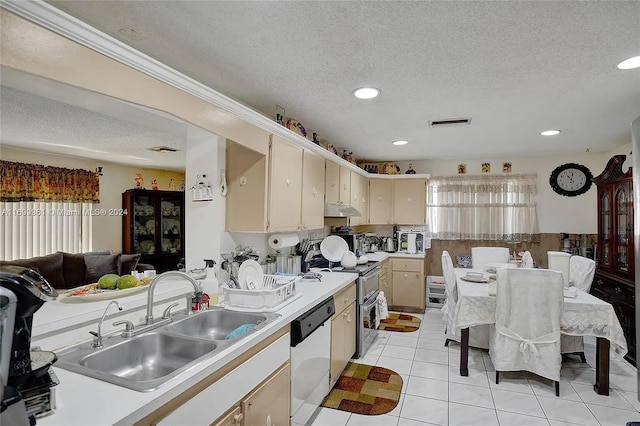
{"type": "Point", "coordinates": [479, 207]}
{"type": "Point", "coordinates": [35, 228]}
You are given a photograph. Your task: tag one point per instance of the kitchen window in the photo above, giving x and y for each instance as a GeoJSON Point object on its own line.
{"type": "Point", "coordinates": [478, 207]}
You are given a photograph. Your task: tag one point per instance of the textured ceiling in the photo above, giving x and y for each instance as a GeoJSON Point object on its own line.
{"type": "Point", "coordinates": [515, 68]}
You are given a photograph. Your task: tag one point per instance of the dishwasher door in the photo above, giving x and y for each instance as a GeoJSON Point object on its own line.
{"type": "Point", "coordinates": [310, 373]}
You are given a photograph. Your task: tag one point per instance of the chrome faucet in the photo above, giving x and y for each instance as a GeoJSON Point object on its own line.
{"type": "Point", "coordinates": [197, 291]}
{"type": "Point", "coordinates": [97, 342]}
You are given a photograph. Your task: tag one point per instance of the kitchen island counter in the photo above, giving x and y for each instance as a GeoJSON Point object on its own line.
{"type": "Point", "coordinates": [82, 400]}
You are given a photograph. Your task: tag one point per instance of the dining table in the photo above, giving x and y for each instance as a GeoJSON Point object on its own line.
{"type": "Point", "coordinates": [583, 315]}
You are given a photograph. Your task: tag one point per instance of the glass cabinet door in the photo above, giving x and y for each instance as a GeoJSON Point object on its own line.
{"type": "Point", "coordinates": [144, 226]}
{"type": "Point", "coordinates": [605, 229]}
{"type": "Point", "coordinates": [170, 225]}
{"type": "Point", "coordinates": [623, 227]}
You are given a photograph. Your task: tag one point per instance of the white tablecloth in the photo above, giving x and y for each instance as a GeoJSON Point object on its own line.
{"type": "Point", "coordinates": [584, 315]}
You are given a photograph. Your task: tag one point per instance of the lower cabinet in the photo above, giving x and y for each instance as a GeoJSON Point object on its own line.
{"type": "Point", "coordinates": [343, 335]}
{"type": "Point", "coordinates": [408, 284]}
{"type": "Point", "coordinates": [386, 284]}
{"type": "Point", "coordinates": [268, 404]}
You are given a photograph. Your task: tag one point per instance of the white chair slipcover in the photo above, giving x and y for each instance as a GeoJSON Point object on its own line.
{"type": "Point", "coordinates": [478, 335]}
{"type": "Point", "coordinates": [582, 271]}
{"type": "Point", "coordinates": [480, 256]}
{"type": "Point", "coordinates": [559, 261]}
{"type": "Point", "coordinates": [529, 303]}
{"type": "Point", "coordinates": [527, 260]}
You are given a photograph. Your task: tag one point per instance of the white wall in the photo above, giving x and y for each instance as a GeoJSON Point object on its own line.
{"type": "Point", "coordinates": [556, 213]}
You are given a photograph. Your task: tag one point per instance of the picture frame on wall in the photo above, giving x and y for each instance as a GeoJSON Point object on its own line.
{"type": "Point", "coordinates": [462, 169]}
{"type": "Point", "coordinates": [486, 167]}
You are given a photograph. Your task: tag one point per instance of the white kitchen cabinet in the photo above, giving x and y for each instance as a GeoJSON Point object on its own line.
{"type": "Point", "coordinates": [386, 283]}
{"type": "Point", "coordinates": [232, 418]}
{"type": "Point", "coordinates": [332, 182]}
{"type": "Point", "coordinates": [343, 332]}
{"type": "Point", "coordinates": [269, 404]}
{"type": "Point", "coordinates": [359, 199]}
{"type": "Point", "coordinates": [345, 187]}
{"type": "Point", "coordinates": [410, 201]}
{"type": "Point", "coordinates": [380, 202]}
{"type": "Point", "coordinates": [313, 181]}
{"type": "Point", "coordinates": [408, 284]}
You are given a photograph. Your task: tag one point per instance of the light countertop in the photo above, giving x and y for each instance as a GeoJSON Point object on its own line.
{"type": "Point", "coordinates": [379, 256]}
{"type": "Point", "coordinates": [82, 400]}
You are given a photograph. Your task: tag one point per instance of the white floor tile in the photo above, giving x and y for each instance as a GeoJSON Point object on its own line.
{"type": "Point", "coordinates": [623, 382]}
{"type": "Point", "coordinates": [515, 402]}
{"type": "Point", "coordinates": [632, 398]}
{"type": "Point", "coordinates": [613, 400]}
{"type": "Point", "coordinates": [399, 365]}
{"type": "Point", "coordinates": [396, 411]}
{"type": "Point", "coordinates": [475, 360]}
{"type": "Point", "coordinates": [409, 422]}
{"type": "Point", "coordinates": [513, 419]}
{"type": "Point", "coordinates": [488, 365]}
{"type": "Point", "coordinates": [425, 409]}
{"type": "Point", "coordinates": [369, 359]}
{"type": "Point", "coordinates": [567, 411]}
{"type": "Point", "coordinates": [433, 344]}
{"type": "Point", "coordinates": [470, 395]}
{"type": "Point", "coordinates": [467, 415]}
{"type": "Point", "coordinates": [380, 420]}
{"type": "Point", "coordinates": [428, 388]}
{"type": "Point", "coordinates": [544, 387]}
{"type": "Point", "coordinates": [399, 339]}
{"type": "Point", "coordinates": [560, 423]}
{"type": "Point", "coordinates": [433, 326]}
{"type": "Point", "coordinates": [510, 381]}
{"type": "Point", "coordinates": [428, 355]}
{"type": "Point", "coordinates": [398, 352]}
{"type": "Point", "coordinates": [430, 370]}
{"type": "Point", "coordinates": [579, 375]}
{"type": "Point", "coordinates": [475, 377]}
{"type": "Point", "coordinates": [331, 417]}
{"type": "Point", "coordinates": [608, 416]}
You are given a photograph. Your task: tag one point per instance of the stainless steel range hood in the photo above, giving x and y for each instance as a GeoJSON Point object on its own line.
{"type": "Point", "coordinates": [339, 210]}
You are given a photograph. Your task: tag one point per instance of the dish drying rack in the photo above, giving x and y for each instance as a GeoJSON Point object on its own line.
{"type": "Point", "coordinates": [276, 292]}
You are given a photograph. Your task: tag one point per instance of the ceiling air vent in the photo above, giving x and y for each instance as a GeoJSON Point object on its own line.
{"type": "Point", "coordinates": [162, 149]}
{"type": "Point", "coordinates": [450, 122]}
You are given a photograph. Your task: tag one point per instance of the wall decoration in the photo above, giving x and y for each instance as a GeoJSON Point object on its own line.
{"type": "Point", "coordinates": [506, 167]}
{"type": "Point", "coordinates": [462, 169]}
{"type": "Point", "coordinates": [486, 167]}
{"type": "Point", "coordinates": [570, 179]}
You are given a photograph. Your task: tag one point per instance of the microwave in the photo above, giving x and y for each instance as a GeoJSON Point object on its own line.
{"type": "Point", "coordinates": [355, 242]}
{"type": "Point", "coordinates": [413, 242]}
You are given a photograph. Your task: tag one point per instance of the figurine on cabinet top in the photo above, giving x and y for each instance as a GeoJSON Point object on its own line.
{"type": "Point", "coordinates": [410, 171]}
{"type": "Point", "coordinates": [139, 181]}
{"type": "Point", "coordinates": [154, 184]}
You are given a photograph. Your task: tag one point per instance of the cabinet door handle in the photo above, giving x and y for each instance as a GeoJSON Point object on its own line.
{"type": "Point", "coordinates": [237, 419]}
{"type": "Point", "coordinates": [346, 300]}
{"type": "Point", "coordinates": [349, 317]}
{"type": "Point", "coordinates": [617, 290]}
{"type": "Point", "coordinates": [288, 182]}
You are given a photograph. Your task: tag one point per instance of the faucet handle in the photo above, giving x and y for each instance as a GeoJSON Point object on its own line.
{"type": "Point", "coordinates": [167, 312]}
{"type": "Point", "coordinates": [128, 328]}
{"type": "Point", "coordinates": [97, 340]}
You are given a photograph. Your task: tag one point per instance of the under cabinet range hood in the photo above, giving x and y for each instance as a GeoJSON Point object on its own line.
{"type": "Point", "coordinates": [339, 210]}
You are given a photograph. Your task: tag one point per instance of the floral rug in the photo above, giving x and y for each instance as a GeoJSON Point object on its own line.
{"type": "Point", "coordinates": [400, 322]}
{"type": "Point", "coordinates": [365, 389]}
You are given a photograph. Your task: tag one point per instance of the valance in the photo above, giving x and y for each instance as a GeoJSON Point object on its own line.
{"type": "Point", "coordinates": [36, 182]}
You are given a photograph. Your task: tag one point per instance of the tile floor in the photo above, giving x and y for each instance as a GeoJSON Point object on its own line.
{"type": "Point", "coordinates": [434, 393]}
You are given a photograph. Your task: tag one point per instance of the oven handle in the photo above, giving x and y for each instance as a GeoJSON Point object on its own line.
{"type": "Point", "coordinates": [370, 302]}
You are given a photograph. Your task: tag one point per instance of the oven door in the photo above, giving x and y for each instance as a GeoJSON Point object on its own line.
{"type": "Point", "coordinates": [368, 323]}
{"type": "Point", "coordinates": [368, 284]}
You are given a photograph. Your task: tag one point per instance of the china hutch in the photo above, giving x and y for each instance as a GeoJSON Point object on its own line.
{"type": "Point", "coordinates": [614, 278]}
{"type": "Point", "coordinates": [154, 227]}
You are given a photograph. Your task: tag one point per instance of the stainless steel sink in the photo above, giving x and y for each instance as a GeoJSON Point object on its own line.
{"type": "Point", "coordinates": [146, 361]}
{"type": "Point", "coordinates": [217, 324]}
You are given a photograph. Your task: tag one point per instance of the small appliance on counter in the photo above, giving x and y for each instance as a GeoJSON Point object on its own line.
{"type": "Point", "coordinates": [388, 244]}
{"type": "Point", "coordinates": [413, 240]}
{"type": "Point", "coordinates": [356, 241]}
{"type": "Point", "coordinates": [27, 372]}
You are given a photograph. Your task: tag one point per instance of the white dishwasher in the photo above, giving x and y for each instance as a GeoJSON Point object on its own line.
{"type": "Point", "coordinates": [310, 356]}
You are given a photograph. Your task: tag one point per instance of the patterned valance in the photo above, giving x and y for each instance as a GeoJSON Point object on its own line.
{"type": "Point", "coordinates": [35, 182]}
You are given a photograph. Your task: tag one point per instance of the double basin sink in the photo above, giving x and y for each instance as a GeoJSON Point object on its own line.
{"type": "Point", "coordinates": [146, 361]}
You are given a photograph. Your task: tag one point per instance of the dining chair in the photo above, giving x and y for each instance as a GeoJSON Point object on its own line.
{"type": "Point", "coordinates": [582, 270]}
{"type": "Point", "coordinates": [559, 261]}
{"type": "Point", "coordinates": [479, 334]}
{"type": "Point", "coordinates": [529, 303]}
{"type": "Point", "coordinates": [527, 260]}
{"type": "Point", "coordinates": [480, 256]}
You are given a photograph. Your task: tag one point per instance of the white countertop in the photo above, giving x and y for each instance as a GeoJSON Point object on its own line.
{"type": "Point", "coordinates": [379, 256]}
{"type": "Point", "coordinates": [83, 400]}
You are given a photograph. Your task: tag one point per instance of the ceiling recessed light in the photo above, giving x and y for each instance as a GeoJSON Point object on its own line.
{"type": "Point", "coordinates": [550, 132]}
{"type": "Point", "coordinates": [401, 142]}
{"type": "Point", "coordinates": [629, 64]}
{"type": "Point", "coordinates": [366, 93]}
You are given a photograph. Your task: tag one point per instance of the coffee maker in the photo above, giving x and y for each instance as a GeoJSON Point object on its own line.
{"type": "Point", "coordinates": [27, 372]}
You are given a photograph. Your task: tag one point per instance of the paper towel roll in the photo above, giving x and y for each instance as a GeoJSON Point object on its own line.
{"type": "Point", "coordinates": [278, 241]}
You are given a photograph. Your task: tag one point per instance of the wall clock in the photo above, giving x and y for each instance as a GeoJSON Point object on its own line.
{"type": "Point", "coordinates": [570, 179]}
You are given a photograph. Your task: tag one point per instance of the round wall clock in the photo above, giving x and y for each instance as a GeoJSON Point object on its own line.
{"type": "Point", "coordinates": [570, 179]}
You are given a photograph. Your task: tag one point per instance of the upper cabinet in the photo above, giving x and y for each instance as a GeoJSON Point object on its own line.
{"type": "Point", "coordinates": [313, 182]}
{"type": "Point", "coordinates": [285, 204]}
{"type": "Point", "coordinates": [345, 187]}
{"type": "Point", "coordinates": [332, 182]}
{"type": "Point", "coordinates": [410, 201]}
{"type": "Point", "coordinates": [359, 199]}
{"type": "Point", "coordinates": [380, 201]}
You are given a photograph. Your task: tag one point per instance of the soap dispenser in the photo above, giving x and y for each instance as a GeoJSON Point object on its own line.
{"type": "Point", "coordinates": [210, 282]}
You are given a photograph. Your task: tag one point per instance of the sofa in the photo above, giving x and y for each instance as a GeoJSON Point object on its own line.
{"type": "Point", "coordinates": [68, 270]}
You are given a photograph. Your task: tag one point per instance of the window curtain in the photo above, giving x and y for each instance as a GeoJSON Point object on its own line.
{"type": "Point", "coordinates": [479, 207]}
{"type": "Point", "coordinates": [31, 182]}
{"type": "Point", "coordinates": [45, 209]}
